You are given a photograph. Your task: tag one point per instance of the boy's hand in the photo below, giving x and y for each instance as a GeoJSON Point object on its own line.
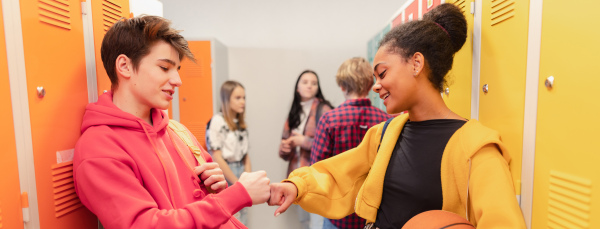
{"type": "Point", "coordinates": [212, 176]}
{"type": "Point", "coordinates": [283, 195]}
{"type": "Point", "coordinates": [257, 186]}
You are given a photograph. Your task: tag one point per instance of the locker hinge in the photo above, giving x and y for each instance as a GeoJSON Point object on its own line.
{"type": "Point", "coordinates": [84, 8]}
{"type": "Point", "coordinates": [473, 8]}
{"type": "Point", "coordinates": [25, 206]}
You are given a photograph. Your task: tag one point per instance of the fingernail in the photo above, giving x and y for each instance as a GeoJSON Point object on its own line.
{"type": "Point", "coordinates": [278, 213]}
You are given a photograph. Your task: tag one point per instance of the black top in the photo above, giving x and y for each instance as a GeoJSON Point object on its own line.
{"type": "Point", "coordinates": [412, 181]}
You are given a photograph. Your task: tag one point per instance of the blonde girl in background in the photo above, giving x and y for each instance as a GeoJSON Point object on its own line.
{"type": "Point", "coordinates": [228, 137]}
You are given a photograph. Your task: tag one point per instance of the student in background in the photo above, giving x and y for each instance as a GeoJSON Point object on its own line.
{"type": "Point", "coordinates": [299, 130]}
{"type": "Point", "coordinates": [228, 137]}
{"type": "Point", "coordinates": [344, 127]}
{"type": "Point", "coordinates": [129, 168]}
{"type": "Point", "coordinates": [428, 159]}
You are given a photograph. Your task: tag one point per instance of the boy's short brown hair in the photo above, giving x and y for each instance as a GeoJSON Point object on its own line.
{"type": "Point", "coordinates": [356, 76]}
{"type": "Point", "coordinates": [133, 37]}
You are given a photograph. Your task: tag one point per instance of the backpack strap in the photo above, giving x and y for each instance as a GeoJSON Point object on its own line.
{"type": "Point", "coordinates": [184, 135]}
{"type": "Point", "coordinates": [383, 131]}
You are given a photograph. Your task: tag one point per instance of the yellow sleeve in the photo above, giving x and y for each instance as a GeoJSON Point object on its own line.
{"type": "Point", "coordinates": [494, 204]}
{"type": "Point", "coordinates": [329, 187]}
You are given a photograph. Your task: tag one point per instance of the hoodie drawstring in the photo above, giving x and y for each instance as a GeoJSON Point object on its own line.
{"type": "Point", "coordinates": [161, 162]}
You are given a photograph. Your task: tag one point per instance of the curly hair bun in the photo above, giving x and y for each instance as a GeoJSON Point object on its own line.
{"type": "Point", "coordinates": [452, 20]}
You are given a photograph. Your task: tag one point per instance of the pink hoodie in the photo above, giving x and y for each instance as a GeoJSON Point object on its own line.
{"type": "Point", "coordinates": [130, 175]}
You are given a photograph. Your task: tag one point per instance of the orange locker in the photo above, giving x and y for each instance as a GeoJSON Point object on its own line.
{"type": "Point", "coordinates": [10, 197]}
{"type": "Point", "coordinates": [55, 64]}
{"type": "Point", "coordinates": [198, 97]}
{"type": "Point", "coordinates": [195, 94]}
{"type": "Point", "coordinates": [104, 14]}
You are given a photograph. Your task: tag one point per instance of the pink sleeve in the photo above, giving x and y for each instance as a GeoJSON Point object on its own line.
{"type": "Point", "coordinates": [112, 191]}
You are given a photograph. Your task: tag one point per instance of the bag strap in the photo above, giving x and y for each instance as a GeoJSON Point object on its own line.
{"type": "Point", "coordinates": [383, 131]}
{"type": "Point", "coordinates": [319, 112]}
{"type": "Point", "coordinates": [184, 135]}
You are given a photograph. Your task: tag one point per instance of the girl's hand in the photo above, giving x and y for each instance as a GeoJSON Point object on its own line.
{"type": "Point", "coordinates": [296, 139]}
{"type": "Point", "coordinates": [285, 146]}
{"type": "Point", "coordinates": [283, 195]}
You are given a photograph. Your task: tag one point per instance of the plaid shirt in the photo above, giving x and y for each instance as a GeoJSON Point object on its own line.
{"type": "Point", "coordinates": [341, 129]}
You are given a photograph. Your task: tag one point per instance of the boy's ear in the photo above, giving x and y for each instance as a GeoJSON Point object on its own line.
{"type": "Point", "coordinates": [343, 89]}
{"type": "Point", "coordinates": [124, 66]}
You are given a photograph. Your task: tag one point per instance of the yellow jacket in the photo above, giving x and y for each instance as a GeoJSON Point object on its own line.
{"type": "Point", "coordinates": [353, 181]}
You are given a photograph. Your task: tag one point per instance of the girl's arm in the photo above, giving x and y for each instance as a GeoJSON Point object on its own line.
{"type": "Point", "coordinates": [491, 190]}
{"type": "Point", "coordinates": [247, 164]}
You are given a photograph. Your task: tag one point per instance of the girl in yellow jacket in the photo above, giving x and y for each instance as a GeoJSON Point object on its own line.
{"type": "Point", "coordinates": [428, 159]}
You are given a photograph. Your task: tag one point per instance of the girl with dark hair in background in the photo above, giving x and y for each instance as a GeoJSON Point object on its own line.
{"type": "Point", "coordinates": [299, 130]}
{"type": "Point", "coordinates": [428, 159]}
{"type": "Point", "coordinates": [228, 137]}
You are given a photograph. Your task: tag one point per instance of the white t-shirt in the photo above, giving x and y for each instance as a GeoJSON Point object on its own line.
{"type": "Point", "coordinates": [303, 119]}
{"type": "Point", "coordinates": [233, 144]}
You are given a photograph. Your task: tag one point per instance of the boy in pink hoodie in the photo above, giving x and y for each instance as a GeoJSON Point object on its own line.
{"type": "Point", "coordinates": [130, 169]}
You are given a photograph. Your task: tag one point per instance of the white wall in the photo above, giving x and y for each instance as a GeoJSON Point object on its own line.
{"type": "Point", "coordinates": [270, 42]}
{"type": "Point", "coordinates": [148, 7]}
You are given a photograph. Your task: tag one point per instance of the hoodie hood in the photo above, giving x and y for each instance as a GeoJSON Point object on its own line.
{"type": "Point", "coordinates": [106, 113]}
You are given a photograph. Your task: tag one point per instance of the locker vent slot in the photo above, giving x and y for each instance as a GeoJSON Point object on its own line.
{"type": "Point", "coordinates": [502, 10]}
{"type": "Point", "coordinates": [569, 201]}
{"type": "Point", "coordinates": [462, 4]}
{"type": "Point", "coordinates": [194, 70]}
{"type": "Point", "coordinates": [198, 130]}
{"type": "Point", "coordinates": [55, 12]}
{"type": "Point", "coordinates": [65, 199]}
{"type": "Point", "coordinates": [111, 13]}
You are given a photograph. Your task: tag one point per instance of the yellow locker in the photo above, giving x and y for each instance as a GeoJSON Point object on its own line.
{"type": "Point", "coordinates": [566, 158]}
{"type": "Point", "coordinates": [504, 29]}
{"type": "Point", "coordinates": [457, 94]}
{"type": "Point", "coordinates": [10, 198]}
{"type": "Point", "coordinates": [55, 64]}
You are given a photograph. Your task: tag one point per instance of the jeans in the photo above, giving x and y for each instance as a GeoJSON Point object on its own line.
{"type": "Point", "coordinates": [238, 168]}
{"type": "Point", "coordinates": [309, 220]}
{"type": "Point", "coordinates": [328, 225]}
{"type": "Point", "coordinates": [316, 221]}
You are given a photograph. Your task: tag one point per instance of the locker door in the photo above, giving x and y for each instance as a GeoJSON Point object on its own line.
{"type": "Point", "coordinates": [566, 158]}
{"type": "Point", "coordinates": [55, 61]}
{"type": "Point", "coordinates": [104, 14]}
{"type": "Point", "coordinates": [457, 94]}
{"type": "Point", "coordinates": [504, 29]}
{"type": "Point", "coordinates": [10, 198]}
{"type": "Point", "coordinates": [411, 13]}
{"type": "Point", "coordinates": [195, 94]}
{"type": "Point", "coordinates": [430, 4]}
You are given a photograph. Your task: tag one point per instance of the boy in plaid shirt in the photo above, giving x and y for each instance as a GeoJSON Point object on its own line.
{"type": "Point", "coordinates": [344, 127]}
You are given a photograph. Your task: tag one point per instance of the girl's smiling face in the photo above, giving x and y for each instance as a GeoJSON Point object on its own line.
{"type": "Point", "coordinates": [395, 80]}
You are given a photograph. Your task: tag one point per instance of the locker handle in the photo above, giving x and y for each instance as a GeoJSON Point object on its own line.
{"type": "Point", "coordinates": [549, 82]}
{"type": "Point", "coordinates": [41, 92]}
